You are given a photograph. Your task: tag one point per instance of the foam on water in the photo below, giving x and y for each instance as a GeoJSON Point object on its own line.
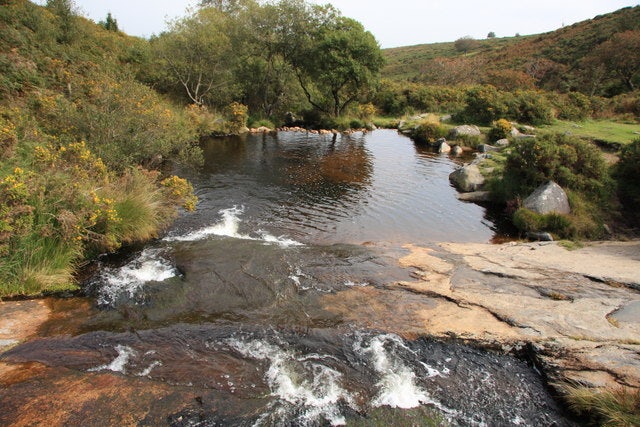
{"type": "Point", "coordinates": [129, 279]}
{"type": "Point", "coordinates": [118, 364]}
{"type": "Point", "coordinates": [397, 387]}
{"type": "Point", "coordinates": [302, 382]}
{"type": "Point", "coordinates": [229, 226]}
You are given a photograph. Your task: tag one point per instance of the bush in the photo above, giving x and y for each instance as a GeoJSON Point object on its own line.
{"type": "Point", "coordinates": [572, 163]}
{"type": "Point", "coordinates": [530, 107]}
{"type": "Point", "coordinates": [573, 106]}
{"type": "Point", "coordinates": [429, 131]}
{"type": "Point", "coordinates": [627, 173]}
{"type": "Point", "coordinates": [501, 129]}
{"type": "Point", "coordinates": [561, 226]}
{"type": "Point", "coordinates": [484, 104]}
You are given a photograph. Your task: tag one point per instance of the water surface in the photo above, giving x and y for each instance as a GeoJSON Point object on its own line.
{"type": "Point", "coordinates": [231, 315]}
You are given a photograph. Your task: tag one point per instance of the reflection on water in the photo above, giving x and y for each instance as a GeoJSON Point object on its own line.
{"type": "Point", "coordinates": [378, 187]}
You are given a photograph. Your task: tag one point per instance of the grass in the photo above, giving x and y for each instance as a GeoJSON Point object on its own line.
{"type": "Point", "coordinates": [608, 131]}
{"type": "Point", "coordinates": [611, 407]}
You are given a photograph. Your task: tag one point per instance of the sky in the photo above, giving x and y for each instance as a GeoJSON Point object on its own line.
{"type": "Point", "coordinates": [393, 22]}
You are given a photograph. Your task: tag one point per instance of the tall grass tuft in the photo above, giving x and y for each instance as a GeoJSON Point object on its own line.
{"type": "Point", "coordinates": [612, 407]}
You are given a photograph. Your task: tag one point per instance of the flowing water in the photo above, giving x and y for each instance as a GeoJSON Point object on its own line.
{"type": "Point", "coordinates": [234, 305]}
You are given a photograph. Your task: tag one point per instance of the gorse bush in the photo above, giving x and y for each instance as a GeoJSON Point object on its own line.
{"type": "Point", "coordinates": [486, 104]}
{"type": "Point", "coordinates": [76, 130]}
{"type": "Point", "coordinates": [501, 129]}
{"type": "Point", "coordinates": [575, 165]}
{"type": "Point", "coordinates": [627, 172]}
{"type": "Point", "coordinates": [569, 161]}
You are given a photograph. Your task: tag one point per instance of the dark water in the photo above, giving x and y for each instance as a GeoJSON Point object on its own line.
{"type": "Point", "coordinates": [234, 304]}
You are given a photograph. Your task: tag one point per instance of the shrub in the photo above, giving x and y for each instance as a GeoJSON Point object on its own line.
{"type": "Point", "coordinates": [571, 162]}
{"type": "Point", "coordinates": [501, 129]}
{"type": "Point", "coordinates": [429, 131]}
{"type": "Point", "coordinates": [573, 106]}
{"type": "Point", "coordinates": [237, 115]}
{"type": "Point", "coordinates": [561, 226]}
{"type": "Point", "coordinates": [484, 104]}
{"type": "Point", "coordinates": [530, 107]}
{"type": "Point", "coordinates": [627, 173]}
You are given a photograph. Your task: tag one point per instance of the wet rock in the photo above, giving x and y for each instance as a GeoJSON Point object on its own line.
{"type": "Point", "coordinates": [548, 198]}
{"type": "Point", "coordinates": [580, 329]}
{"type": "Point", "coordinates": [539, 236]}
{"type": "Point", "coordinates": [468, 178]}
{"type": "Point", "coordinates": [444, 148]}
{"type": "Point", "coordinates": [476, 197]}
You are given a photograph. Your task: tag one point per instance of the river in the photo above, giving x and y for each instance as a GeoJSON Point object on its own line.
{"type": "Point", "coordinates": [230, 319]}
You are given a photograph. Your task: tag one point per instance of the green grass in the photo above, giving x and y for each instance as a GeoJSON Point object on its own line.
{"type": "Point", "coordinates": [609, 131]}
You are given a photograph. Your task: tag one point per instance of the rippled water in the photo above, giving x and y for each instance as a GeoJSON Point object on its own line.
{"type": "Point", "coordinates": [378, 187]}
{"type": "Point", "coordinates": [232, 313]}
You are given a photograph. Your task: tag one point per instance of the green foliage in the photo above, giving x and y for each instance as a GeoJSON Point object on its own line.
{"type": "Point", "coordinates": [110, 23]}
{"type": "Point", "coordinates": [529, 107]}
{"type": "Point", "coordinates": [430, 131]}
{"type": "Point", "coordinates": [627, 172]}
{"type": "Point", "coordinates": [572, 163]}
{"type": "Point", "coordinates": [501, 129]}
{"type": "Point", "coordinates": [75, 126]}
{"type": "Point", "coordinates": [340, 64]}
{"type": "Point", "coordinates": [196, 53]}
{"type": "Point", "coordinates": [466, 44]}
{"type": "Point", "coordinates": [484, 104]}
{"type": "Point", "coordinates": [572, 106]}
{"type": "Point", "coordinates": [526, 220]}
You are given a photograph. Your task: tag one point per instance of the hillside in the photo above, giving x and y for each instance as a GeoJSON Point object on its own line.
{"type": "Point", "coordinates": [557, 60]}
{"type": "Point", "coordinates": [80, 137]}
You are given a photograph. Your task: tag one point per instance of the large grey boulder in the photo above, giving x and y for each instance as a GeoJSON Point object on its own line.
{"type": "Point", "coordinates": [548, 198]}
{"type": "Point", "coordinates": [469, 130]}
{"type": "Point", "coordinates": [467, 179]}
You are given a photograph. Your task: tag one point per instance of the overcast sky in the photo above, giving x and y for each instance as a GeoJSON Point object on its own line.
{"type": "Point", "coordinates": [393, 22]}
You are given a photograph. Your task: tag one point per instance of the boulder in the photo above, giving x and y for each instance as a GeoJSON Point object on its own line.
{"type": "Point", "coordinates": [467, 179]}
{"type": "Point", "coordinates": [548, 198]}
{"type": "Point", "coordinates": [502, 142]}
{"type": "Point", "coordinates": [444, 148]}
{"type": "Point", "coordinates": [457, 150]}
{"type": "Point", "coordinates": [469, 130]}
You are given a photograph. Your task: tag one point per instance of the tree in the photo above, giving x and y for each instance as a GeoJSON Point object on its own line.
{"type": "Point", "coordinates": [466, 44]}
{"type": "Point", "coordinates": [197, 53]}
{"type": "Point", "coordinates": [263, 72]}
{"type": "Point", "coordinates": [491, 35]}
{"type": "Point", "coordinates": [620, 55]}
{"type": "Point", "coordinates": [110, 24]}
{"type": "Point", "coordinates": [65, 11]}
{"type": "Point", "coordinates": [341, 65]}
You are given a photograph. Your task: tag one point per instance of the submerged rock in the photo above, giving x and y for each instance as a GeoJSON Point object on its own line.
{"type": "Point", "coordinates": [468, 178]}
{"type": "Point", "coordinates": [444, 148]}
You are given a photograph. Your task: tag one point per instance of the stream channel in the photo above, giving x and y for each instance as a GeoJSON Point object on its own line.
{"type": "Point", "coordinates": [227, 319]}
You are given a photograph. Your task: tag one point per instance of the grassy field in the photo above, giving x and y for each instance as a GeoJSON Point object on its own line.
{"type": "Point", "coordinates": [612, 132]}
